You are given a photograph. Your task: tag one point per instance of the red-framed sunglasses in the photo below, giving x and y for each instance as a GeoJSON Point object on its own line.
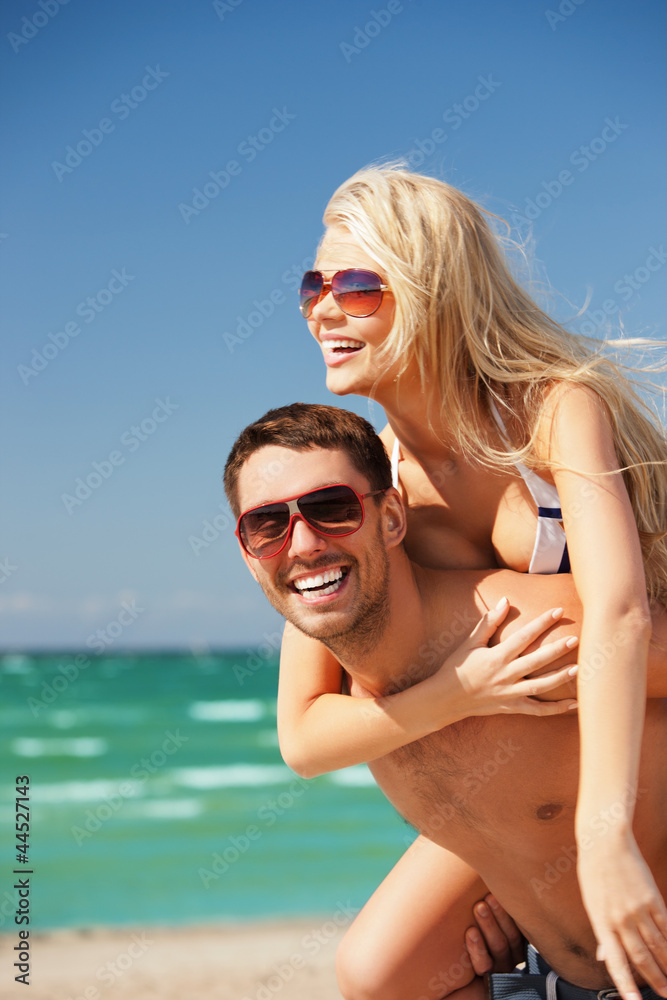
{"type": "Point", "coordinates": [355, 291]}
{"type": "Point", "coordinates": [330, 510]}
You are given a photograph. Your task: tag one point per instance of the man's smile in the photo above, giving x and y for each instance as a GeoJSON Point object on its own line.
{"type": "Point", "coordinates": [315, 587]}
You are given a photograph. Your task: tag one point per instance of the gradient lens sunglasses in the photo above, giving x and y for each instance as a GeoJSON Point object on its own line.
{"type": "Point", "coordinates": [358, 293]}
{"type": "Point", "coordinates": [333, 511]}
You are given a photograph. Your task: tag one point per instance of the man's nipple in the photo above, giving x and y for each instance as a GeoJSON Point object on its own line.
{"type": "Point", "coordinates": [549, 811]}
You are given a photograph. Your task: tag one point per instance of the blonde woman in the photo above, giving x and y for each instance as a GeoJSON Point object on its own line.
{"type": "Point", "coordinates": [514, 444]}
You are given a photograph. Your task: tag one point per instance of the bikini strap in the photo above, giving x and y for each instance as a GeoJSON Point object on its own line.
{"type": "Point", "coordinates": [395, 459]}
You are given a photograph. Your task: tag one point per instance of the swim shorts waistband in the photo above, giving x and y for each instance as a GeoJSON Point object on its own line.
{"type": "Point", "coordinates": [538, 981]}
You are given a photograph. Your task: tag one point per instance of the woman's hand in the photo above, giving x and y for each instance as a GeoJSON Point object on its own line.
{"type": "Point", "coordinates": [495, 680]}
{"type": "Point", "coordinates": [626, 911]}
{"type": "Point", "coordinates": [496, 943]}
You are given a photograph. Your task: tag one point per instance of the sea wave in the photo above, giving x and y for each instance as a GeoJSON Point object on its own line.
{"type": "Point", "coordinates": [353, 777]}
{"type": "Point", "coordinates": [96, 790]}
{"type": "Point", "coordinates": [165, 809]}
{"type": "Point", "coordinates": [237, 775]}
{"type": "Point", "coordinates": [83, 746]}
{"type": "Point", "coordinates": [249, 710]}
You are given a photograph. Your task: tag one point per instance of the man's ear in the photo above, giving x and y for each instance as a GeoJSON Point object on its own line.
{"type": "Point", "coordinates": [394, 522]}
{"type": "Point", "coordinates": [250, 563]}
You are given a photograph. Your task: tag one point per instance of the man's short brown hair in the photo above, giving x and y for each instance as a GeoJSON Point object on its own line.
{"type": "Point", "coordinates": [302, 426]}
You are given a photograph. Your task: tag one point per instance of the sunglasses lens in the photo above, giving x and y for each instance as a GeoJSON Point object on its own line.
{"type": "Point", "coordinates": [263, 530]}
{"type": "Point", "coordinates": [335, 510]}
{"type": "Point", "coordinates": [358, 293]}
{"type": "Point", "coordinates": [310, 291]}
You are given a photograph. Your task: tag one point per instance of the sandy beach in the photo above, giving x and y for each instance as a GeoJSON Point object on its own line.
{"type": "Point", "coordinates": [292, 960]}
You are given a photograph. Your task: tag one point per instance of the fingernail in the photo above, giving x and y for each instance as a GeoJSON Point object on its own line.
{"type": "Point", "coordinates": [483, 910]}
{"type": "Point", "coordinates": [501, 604]}
{"type": "Point", "coordinates": [572, 641]}
{"type": "Point", "coordinates": [557, 612]}
{"type": "Point", "coordinates": [575, 704]}
{"type": "Point", "coordinates": [573, 670]}
{"type": "Point", "coordinates": [474, 937]}
{"type": "Point", "coordinates": [492, 901]}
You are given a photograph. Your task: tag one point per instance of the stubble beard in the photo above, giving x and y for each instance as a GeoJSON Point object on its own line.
{"type": "Point", "coordinates": [362, 633]}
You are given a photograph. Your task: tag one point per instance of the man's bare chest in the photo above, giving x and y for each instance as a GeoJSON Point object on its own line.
{"type": "Point", "coordinates": [484, 782]}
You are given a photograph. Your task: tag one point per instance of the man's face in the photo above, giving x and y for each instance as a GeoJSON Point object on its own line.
{"type": "Point", "coordinates": [327, 587]}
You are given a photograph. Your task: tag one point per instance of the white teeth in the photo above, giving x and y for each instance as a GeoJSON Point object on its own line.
{"type": "Point", "coordinates": [331, 344]}
{"type": "Point", "coordinates": [309, 582]}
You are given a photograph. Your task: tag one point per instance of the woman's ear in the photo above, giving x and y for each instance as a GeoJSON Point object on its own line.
{"type": "Point", "coordinates": [393, 517]}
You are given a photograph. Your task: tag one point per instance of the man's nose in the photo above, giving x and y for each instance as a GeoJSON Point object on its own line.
{"type": "Point", "coordinates": [305, 541]}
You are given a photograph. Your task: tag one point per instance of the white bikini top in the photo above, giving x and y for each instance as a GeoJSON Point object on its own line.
{"type": "Point", "coordinates": [550, 551]}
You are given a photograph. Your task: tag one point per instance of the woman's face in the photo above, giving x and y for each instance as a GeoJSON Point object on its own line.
{"type": "Point", "coordinates": [349, 344]}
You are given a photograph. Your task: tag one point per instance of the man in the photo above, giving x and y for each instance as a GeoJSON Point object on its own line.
{"type": "Point", "coordinates": [343, 577]}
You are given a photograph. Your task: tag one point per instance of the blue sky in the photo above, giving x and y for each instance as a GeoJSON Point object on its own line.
{"type": "Point", "coordinates": [124, 289]}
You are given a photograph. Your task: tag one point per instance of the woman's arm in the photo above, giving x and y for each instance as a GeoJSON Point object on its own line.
{"type": "Point", "coordinates": [320, 729]}
{"type": "Point", "coordinates": [619, 893]}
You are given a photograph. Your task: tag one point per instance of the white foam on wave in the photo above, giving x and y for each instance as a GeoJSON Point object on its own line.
{"type": "Point", "coordinates": [166, 809]}
{"type": "Point", "coordinates": [227, 711]}
{"type": "Point", "coordinates": [84, 791]}
{"type": "Point", "coordinates": [63, 718]}
{"type": "Point", "coordinates": [353, 777]}
{"type": "Point", "coordinates": [232, 775]}
{"type": "Point", "coordinates": [83, 746]}
{"type": "Point", "coordinates": [16, 663]}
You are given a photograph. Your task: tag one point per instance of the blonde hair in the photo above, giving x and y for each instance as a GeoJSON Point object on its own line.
{"type": "Point", "coordinates": [471, 328]}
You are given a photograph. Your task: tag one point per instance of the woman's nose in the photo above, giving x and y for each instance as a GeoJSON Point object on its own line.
{"type": "Point", "coordinates": [326, 307]}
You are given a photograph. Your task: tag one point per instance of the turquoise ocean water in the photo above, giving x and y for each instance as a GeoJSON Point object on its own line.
{"type": "Point", "coordinates": [158, 796]}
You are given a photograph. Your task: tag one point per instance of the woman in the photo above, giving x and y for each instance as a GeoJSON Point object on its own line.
{"type": "Point", "coordinates": [507, 434]}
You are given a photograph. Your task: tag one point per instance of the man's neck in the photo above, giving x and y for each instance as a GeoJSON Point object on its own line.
{"type": "Point", "coordinates": [393, 663]}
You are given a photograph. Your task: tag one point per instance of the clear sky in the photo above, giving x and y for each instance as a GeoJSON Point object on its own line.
{"type": "Point", "coordinates": [132, 300]}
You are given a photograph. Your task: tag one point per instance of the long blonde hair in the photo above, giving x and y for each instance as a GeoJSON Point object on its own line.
{"type": "Point", "coordinates": [470, 326]}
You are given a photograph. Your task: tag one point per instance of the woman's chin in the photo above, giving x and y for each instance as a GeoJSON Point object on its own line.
{"type": "Point", "coordinates": [342, 386]}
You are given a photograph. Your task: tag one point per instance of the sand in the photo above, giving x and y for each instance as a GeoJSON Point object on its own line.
{"type": "Point", "coordinates": [290, 960]}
